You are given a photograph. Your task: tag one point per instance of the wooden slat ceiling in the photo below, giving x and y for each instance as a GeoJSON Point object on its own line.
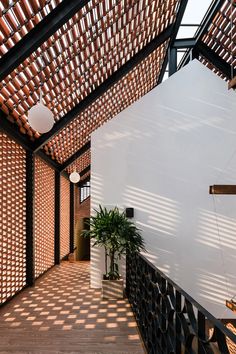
{"type": "Point", "coordinates": [221, 36]}
{"type": "Point", "coordinates": [18, 17]}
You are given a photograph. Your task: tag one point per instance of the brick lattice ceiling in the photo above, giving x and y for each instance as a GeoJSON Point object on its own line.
{"type": "Point", "coordinates": [81, 163]}
{"type": "Point", "coordinates": [221, 37]}
{"type": "Point", "coordinates": [17, 18]}
{"type": "Point", "coordinates": [87, 50]}
{"type": "Point", "coordinates": [129, 89]}
{"type": "Point", "coordinates": [82, 54]}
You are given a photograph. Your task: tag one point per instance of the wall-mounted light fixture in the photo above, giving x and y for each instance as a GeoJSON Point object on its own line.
{"type": "Point", "coordinates": [129, 212]}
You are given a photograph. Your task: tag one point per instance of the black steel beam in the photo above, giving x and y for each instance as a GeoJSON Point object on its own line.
{"type": "Point", "coordinates": [85, 170]}
{"type": "Point", "coordinates": [75, 156]}
{"type": "Point", "coordinates": [184, 43]}
{"type": "Point", "coordinates": [52, 163]}
{"type": "Point", "coordinates": [82, 173]}
{"type": "Point", "coordinates": [214, 58]}
{"type": "Point", "coordinates": [57, 218]}
{"type": "Point", "coordinates": [208, 18]}
{"type": "Point", "coordinates": [38, 35]}
{"type": "Point", "coordinates": [203, 28]}
{"type": "Point", "coordinates": [100, 90]}
{"type": "Point", "coordinates": [179, 17]}
{"type": "Point", "coordinates": [30, 208]}
{"type": "Point", "coordinates": [72, 207]}
{"type": "Point", "coordinates": [87, 179]}
{"type": "Point", "coordinates": [13, 132]}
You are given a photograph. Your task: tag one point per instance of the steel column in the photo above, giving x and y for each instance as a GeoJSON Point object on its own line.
{"type": "Point", "coordinates": [176, 26]}
{"type": "Point", "coordinates": [30, 208]}
{"type": "Point", "coordinates": [172, 61]}
{"type": "Point", "coordinates": [57, 218]}
{"type": "Point", "coordinates": [72, 210]}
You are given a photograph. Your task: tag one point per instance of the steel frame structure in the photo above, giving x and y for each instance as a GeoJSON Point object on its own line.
{"type": "Point", "coordinates": [54, 20]}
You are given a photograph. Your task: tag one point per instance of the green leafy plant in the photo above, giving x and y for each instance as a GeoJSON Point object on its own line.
{"type": "Point", "coordinates": [117, 234]}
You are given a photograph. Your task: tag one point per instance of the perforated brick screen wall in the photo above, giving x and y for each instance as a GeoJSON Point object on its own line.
{"type": "Point", "coordinates": [12, 218]}
{"type": "Point", "coordinates": [44, 216]}
{"type": "Point", "coordinates": [65, 217]}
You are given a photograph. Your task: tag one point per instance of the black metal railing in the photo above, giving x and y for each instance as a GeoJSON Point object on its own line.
{"type": "Point", "coordinates": [169, 320]}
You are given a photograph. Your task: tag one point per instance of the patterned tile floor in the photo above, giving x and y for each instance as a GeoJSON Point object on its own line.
{"type": "Point", "coordinates": [61, 314]}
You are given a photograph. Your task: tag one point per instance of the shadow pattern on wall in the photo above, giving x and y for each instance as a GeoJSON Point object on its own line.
{"type": "Point", "coordinates": [170, 321]}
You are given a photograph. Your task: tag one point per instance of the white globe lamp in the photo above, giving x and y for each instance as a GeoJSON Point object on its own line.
{"type": "Point", "coordinates": [40, 118]}
{"type": "Point", "coordinates": [74, 177]}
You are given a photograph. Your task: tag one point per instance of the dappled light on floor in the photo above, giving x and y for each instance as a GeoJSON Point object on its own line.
{"type": "Point", "coordinates": [63, 314]}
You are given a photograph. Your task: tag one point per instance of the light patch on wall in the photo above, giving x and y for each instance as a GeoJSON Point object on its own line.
{"type": "Point", "coordinates": [162, 214]}
{"type": "Point", "coordinates": [216, 230]}
{"type": "Point", "coordinates": [96, 190]}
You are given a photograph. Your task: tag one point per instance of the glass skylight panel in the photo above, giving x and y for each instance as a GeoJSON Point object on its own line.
{"type": "Point", "coordinates": [194, 14]}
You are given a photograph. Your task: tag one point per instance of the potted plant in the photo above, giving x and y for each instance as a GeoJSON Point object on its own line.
{"type": "Point", "coordinates": [112, 230]}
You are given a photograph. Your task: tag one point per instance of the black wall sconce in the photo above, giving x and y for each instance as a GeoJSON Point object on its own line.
{"type": "Point", "coordinates": [129, 212]}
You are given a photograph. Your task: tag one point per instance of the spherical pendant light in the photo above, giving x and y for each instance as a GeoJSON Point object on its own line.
{"type": "Point", "coordinates": [40, 118]}
{"type": "Point", "coordinates": [74, 177]}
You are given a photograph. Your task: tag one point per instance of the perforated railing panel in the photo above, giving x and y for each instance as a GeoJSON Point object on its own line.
{"type": "Point", "coordinates": [65, 217]}
{"type": "Point", "coordinates": [44, 216]}
{"type": "Point", "coordinates": [12, 218]}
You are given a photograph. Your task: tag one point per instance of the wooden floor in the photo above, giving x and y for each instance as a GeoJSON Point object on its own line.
{"type": "Point", "coordinates": [61, 314]}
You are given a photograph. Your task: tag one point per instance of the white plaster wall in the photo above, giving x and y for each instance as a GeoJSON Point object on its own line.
{"type": "Point", "coordinates": [160, 156]}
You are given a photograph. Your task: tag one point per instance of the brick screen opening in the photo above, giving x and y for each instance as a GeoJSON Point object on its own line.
{"type": "Point", "coordinates": [44, 216]}
{"type": "Point", "coordinates": [12, 218]}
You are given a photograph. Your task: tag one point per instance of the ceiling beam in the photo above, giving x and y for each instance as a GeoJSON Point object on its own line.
{"type": "Point", "coordinates": [52, 163]}
{"type": "Point", "coordinates": [75, 156]}
{"type": "Point", "coordinates": [85, 170]}
{"type": "Point", "coordinates": [12, 130]}
{"type": "Point", "coordinates": [100, 90]}
{"type": "Point", "coordinates": [208, 18]}
{"type": "Point", "coordinates": [184, 43]}
{"type": "Point", "coordinates": [215, 59]}
{"type": "Point", "coordinates": [203, 28]}
{"type": "Point", "coordinates": [175, 30]}
{"type": "Point", "coordinates": [87, 179]}
{"type": "Point", "coordinates": [38, 35]}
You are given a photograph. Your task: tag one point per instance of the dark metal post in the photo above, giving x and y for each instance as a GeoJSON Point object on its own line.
{"type": "Point", "coordinates": [178, 322]}
{"type": "Point", "coordinates": [72, 205]}
{"type": "Point", "coordinates": [172, 61]}
{"type": "Point", "coordinates": [57, 218]}
{"type": "Point", "coordinates": [201, 328]}
{"type": "Point", "coordinates": [30, 207]}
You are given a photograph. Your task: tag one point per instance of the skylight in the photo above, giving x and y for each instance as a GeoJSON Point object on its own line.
{"type": "Point", "coordinates": [194, 14]}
